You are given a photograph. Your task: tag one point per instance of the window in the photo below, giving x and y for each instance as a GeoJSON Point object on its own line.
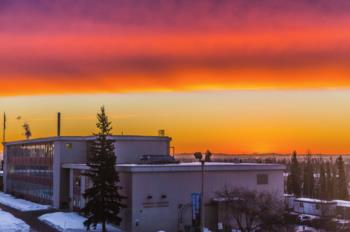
{"type": "Point", "coordinates": [301, 205]}
{"type": "Point", "coordinates": [69, 146]}
{"type": "Point", "coordinates": [262, 179]}
{"type": "Point", "coordinates": [30, 173]}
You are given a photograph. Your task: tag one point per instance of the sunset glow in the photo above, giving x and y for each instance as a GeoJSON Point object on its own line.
{"type": "Point", "coordinates": [231, 76]}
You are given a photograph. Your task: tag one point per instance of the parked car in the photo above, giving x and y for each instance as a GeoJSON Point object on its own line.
{"type": "Point", "coordinates": [304, 229]}
{"type": "Point", "coordinates": [306, 219]}
{"type": "Point", "coordinates": [342, 224]}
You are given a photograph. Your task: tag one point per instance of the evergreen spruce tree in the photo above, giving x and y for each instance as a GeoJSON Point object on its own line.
{"type": "Point", "coordinates": [294, 178]}
{"type": "Point", "coordinates": [289, 184]}
{"type": "Point", "coordinates": [329, 182]}
{"type": "Point", "coordinates": [322, 183]}
{"type": "Point", "coordinates": [342, 191]}
{"type": "Point", "coordinates": [334, 182]}
{"type": "Point", "coordinates": [103, 200]}
{"type": "Point", "coordinates": [309, 181]}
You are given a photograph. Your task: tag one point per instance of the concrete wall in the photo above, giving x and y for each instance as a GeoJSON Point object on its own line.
{"type": "Point", "coordinates": [76, 152]}
{"type": "Point", "coordinates": [129, 151]}
{"type": "Point", "coordinates": [126, 214]}
{"type": "Point", "coordinates": [125, 183]}
{"type": "Point", "coordinates": [62, 154]}
{"type": "Point", "coordinates": [160, 213]}
{"type": "Point", "coordinates": [289, 202]}
{"type": "Point", "coordinates": [5, 170]}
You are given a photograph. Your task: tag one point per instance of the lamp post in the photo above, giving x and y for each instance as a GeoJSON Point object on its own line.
{"type": "Point", "coordinates": [198, 156]}
{"type": "Point", "coordinates": [202, 196]}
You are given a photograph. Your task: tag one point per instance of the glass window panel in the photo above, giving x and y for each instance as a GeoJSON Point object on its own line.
{"type": "Point", "coordinates": [30, 171]}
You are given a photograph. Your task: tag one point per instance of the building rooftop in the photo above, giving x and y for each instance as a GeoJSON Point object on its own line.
{"type": "Point", "coordinates": [87, 138]}
{"type": "Point", "coordinates": [313, 200]}
{"type": "Point", "coordinates": [342, 203]}
{"type": "Point", "coordinates": [188, 167]}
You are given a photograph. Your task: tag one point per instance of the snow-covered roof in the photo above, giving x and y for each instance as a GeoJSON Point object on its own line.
{"type": "Point", "coordinates": [88, 138]}
{"type": "Point", "coordinates": [308, 215]}
{"type": "Point", "coordinates": [342, 203]}
{"type": "Point", "coordinates": [313, 200]}
{"type": "Point", "coordinates": [193, 166]}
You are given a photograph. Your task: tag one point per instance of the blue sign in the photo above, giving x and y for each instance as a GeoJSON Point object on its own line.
{"type": "Point", "coordinates": [196, 208]}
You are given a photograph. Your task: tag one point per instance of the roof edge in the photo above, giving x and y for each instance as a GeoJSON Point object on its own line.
{"type": "Point", "coordinates": [87, 138]}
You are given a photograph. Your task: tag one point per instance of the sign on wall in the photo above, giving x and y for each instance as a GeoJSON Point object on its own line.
{"type": "Point", "coordinates": [196, 208]}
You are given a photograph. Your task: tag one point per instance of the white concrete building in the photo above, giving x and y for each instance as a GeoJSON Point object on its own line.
{"type": "Point", "coordinates": [162, 192]}
{"type": "Point", "coordinates": [33, 168]}
{"type": "Point", "coordinates": [50, 170]}
{"type": "Point", "coordinates": [289, 201]}
{"type": "Point", "coordinates": [314, 207]}
{"type": "Point", "coordinates": [342, 209]}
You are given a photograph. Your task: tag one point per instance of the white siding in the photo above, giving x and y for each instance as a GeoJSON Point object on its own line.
{"type": "Point", "coordinates": [128, 152]}
{"type": "Point", "coordinates": [178, 186]}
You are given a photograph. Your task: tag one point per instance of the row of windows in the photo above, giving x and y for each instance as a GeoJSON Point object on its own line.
{"type": "Point", "coordinates": [30, 171]}
{"type": "Point", "coordinates": [316, 206]}
{"type": "Point", "coordinates": [31, 150]}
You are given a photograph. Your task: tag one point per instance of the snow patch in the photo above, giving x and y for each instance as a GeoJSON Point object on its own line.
{"type": "Point", "coordinates": [20, 204]}
{"type": "Point", "coordinates": [9, 223]}
{"type": "Point", "coordinates": [70, 222]}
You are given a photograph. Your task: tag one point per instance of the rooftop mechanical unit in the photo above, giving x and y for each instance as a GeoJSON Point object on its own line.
{"type": "Point", "coordinates": [157, 159]}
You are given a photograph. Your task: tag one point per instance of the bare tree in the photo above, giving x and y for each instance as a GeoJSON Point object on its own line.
{"type": "Point", "coordinates": [27, 132]}
{"type": "Point", "coordinates": [252, 210]}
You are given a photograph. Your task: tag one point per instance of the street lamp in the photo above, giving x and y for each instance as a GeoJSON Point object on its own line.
{"type": "Point", "coordinates": [198, 156]}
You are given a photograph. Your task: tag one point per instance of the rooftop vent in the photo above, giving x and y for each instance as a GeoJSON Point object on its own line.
{"type": "Point", "coordinates": [157, 159]}
{"type": "Point", "coordinates": [161, 133]}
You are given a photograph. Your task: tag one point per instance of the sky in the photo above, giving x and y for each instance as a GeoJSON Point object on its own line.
{"type": "Point", "coordinates": [231, 76]}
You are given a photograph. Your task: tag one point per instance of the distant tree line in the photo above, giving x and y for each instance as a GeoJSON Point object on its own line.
{"type": "Point", "coordinates": [316, 178]}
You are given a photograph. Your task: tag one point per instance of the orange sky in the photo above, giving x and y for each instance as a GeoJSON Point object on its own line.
{"type": "Point", "coordinates": [223, 121]}
{"type": "Point", "coordinates": [187, 53]}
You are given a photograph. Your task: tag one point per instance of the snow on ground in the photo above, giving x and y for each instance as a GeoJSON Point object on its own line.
{"type": "Point", "coordinates": [70, 222]}
{"type": "Point", "coordinates": [20, 204]}
{"type": "Point", "coordinates": [9, 223]}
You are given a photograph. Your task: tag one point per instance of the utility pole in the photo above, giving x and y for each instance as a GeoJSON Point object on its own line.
{"type": "Point", "coordinates": [198, 156]}
{"type": "Point", "coordinates": [4, 129]}
{"type": "Point", "coordinates": [173, 151]}
{"type": "Point", "coordinates": [59, 124]}
{"type": "Point", "coordinates": [202, 196]}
